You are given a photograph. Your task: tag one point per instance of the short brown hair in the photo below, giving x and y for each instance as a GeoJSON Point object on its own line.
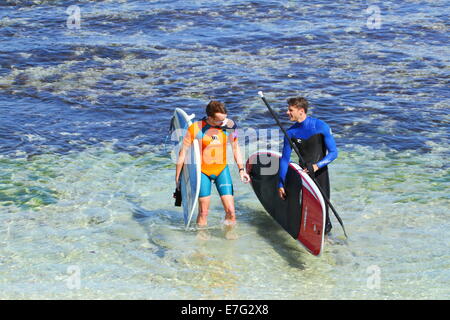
{"type": "Point", "coordinates": [214, 107]}
{"type": "Point", "coordinates": [298, 102]}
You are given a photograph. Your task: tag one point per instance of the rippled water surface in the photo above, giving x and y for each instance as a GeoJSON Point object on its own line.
{"type": "Point", "coordinates": [86, 176]}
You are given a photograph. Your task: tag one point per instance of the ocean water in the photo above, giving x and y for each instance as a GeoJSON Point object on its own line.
{"type": "Point", "coordinates": [86, 170]}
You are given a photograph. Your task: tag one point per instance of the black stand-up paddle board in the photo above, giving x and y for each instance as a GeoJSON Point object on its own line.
{"type": "Point", "coordinates": [302, 214]}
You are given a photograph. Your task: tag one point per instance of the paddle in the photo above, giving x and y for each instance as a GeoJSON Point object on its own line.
{"type": "Point", "coordinates": [302, 162]}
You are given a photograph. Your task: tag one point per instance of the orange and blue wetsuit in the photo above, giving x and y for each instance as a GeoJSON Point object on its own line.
{"type": "Point", "coordinates": [213, 149]}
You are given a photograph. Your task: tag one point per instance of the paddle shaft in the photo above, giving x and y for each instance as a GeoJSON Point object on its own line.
{"type": "Point", "coordinates": [303, 164]}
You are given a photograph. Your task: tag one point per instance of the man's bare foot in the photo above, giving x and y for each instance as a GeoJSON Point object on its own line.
{"type": "Point", "coordinates": [203, 233]}
{"type": "Point", "coordinates": [229, 230]}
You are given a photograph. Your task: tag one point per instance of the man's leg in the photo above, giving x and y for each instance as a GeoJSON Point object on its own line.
{"type": "Point", "coordinates": [204, 200]}
{"type": "Point", "coordinates": [203, 208]}
{"type": "Point", "coordinates": [324, 181]}
{"type": "Point", "coordinates": [228, 205]}
{"type": "Point", "coordinates": [230, 217]}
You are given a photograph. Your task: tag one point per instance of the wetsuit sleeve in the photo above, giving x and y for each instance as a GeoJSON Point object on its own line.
{"type": "Point", "coordinates": [284, 162]}
{"type": "Point", "coordinates": [190, 135]}
{"type": "Point", "coordinates": [329, 143]}
{"type": "Point", "coordinates": [231, 128]}
{"type": "Point", "coordinates": [234, 134]}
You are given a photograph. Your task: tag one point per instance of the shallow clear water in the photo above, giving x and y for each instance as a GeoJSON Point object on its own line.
{"type": "Point", "coordinates": [86, 176]}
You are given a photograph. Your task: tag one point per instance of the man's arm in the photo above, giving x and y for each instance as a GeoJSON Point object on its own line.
{"type": "Point", "coordinates": [187, 141]}
{"type": "Point", "coordinates": [330, 145]}
{"type": "Point", "coordinates": [237, 155]}
{"type": "Point", "coordinates": [284, 162]}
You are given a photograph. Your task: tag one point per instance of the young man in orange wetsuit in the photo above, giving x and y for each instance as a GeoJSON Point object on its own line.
{"type": "Point", "coordinates": [213, 132]}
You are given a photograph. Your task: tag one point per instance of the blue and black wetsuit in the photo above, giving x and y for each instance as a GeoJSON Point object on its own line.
{"type": "Point", "coordinates": [316, 144]}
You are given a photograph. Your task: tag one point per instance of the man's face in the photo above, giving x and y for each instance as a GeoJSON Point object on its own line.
{"type": "Point", "coordinates": [295, 113]}
{"type": "Point", "coordinates": [218, 119]}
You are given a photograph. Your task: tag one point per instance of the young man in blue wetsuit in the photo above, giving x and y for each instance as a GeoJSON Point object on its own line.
{"type": "Point", "coordinates": [316, 144]}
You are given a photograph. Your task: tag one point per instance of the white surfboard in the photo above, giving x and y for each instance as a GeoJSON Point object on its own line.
{"type": "Point", "coordinates": [190, 175]}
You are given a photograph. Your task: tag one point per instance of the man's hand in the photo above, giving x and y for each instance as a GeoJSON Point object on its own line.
{"type": "Point", "coordinates": [245, 178]}
{"type": "Point", "coordinates": [282, 193]}
{"type": "Point", "coordinates": [315, 167]}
